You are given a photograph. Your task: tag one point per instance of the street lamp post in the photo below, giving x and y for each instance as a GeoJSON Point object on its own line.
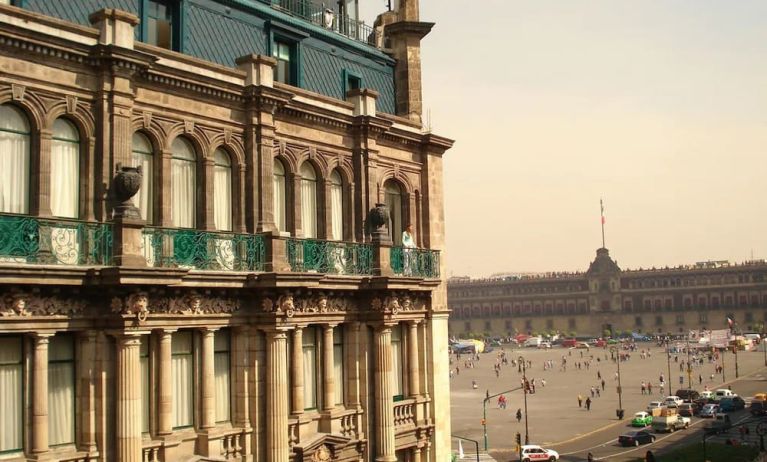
{"type": "Point", "coordinates": [524, 390]}
{"type": "Point", "coordinates": [619, 411]}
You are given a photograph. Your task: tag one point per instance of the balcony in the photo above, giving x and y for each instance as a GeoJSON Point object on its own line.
{"type": "Point", "coordinates": [327, 18]}
{"type": "Point", "coordinates": [54, 241]}
{"type": "Point", "coordinates": [331, 257]}
{"type": "Point", "coordinates": [203, 250]}
{"type": "Point", "coordinates": [412, 262]}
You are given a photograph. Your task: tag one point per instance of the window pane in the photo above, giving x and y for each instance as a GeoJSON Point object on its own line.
{"type": "Point", "coordinates": [14, 160]}
{"type": "Point", "coordinates": [61, 390]}
{"type": "Point", "coordinates": [182, 370]}
{"type": "Point", "coordinates": [65, 170]}
{"type": "Point", "coordinates": [338, 363]}
{"type": "Point", "coordinates": [336, 206]}
{"type": "Point", "coordinates": [222, 191]}
{"type": "Point", "coordinates": [279, 195]}
{"type": "Point", "coordinates": [183, 181]}
{"type": "Point", "coordinates": [143, 157]}
{"type": "Point", "coordinates": [221, 365]}
{"type": "Point", "coordinates": [159, 24]}
{"type": "Point", "coordinates": [310, 368]}
{"type": "Point", "coordinates": [10, 393]}
{"type": "Point", "coordinates": [396, 356]}
{"type": "Point", "coordinates": [308, 201]}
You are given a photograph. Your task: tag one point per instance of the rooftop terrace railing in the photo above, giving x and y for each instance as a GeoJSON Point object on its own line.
{"type": "Point", "coordinates": [333, 257]}
{"type": "Point", "coordinates": [415, 262]}
{"type": "Point", "coordinates": [328, 18]}
{"type": "Point", "coordinates": [54, 241]}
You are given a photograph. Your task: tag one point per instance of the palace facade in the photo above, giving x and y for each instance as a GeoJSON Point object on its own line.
{"type": "Point", "coordinates": [201, 211]}
{"type": "Point", "coordinates": [606, 298]}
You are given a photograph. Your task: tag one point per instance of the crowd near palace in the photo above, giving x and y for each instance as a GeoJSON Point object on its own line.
{"type": "Point", "coordinates": [606, 300]}
{"type": "Point", "coordinates": [220, 234]}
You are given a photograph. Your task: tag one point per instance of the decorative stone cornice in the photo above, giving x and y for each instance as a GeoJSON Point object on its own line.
{"type": "Point", "coordinates": [371, 127]}
{"type": "Point", "coordinates": [393, 304]}
{"type": "Point", "coordinates": [22, 304]}
{"type": "Point", "coordinates": [289, 305]}
{"type": "Point", "coordinates": [267, 99]}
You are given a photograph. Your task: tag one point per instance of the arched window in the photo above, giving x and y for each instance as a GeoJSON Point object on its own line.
{"type": "Point", "coordinates": [308, 200]}
{"type": "Point", "coordinates": [65, 169]}
{"type": "Point", "coordinates": [222, 190]}
{"type": "Point", "coordinates": [183, 181]}
{"type": "Point", "coordinates": [336, 206]}
{"type": "Point", "coordinates": [393, 200]}
{"type": "Point", "coordinates": [142, 157]}
{"type": "Point", "coordinates": [14, 160]}
{"type": "Point", "coordinates": [279, 195]}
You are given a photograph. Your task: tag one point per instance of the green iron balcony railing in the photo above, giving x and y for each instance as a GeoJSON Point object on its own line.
{"type": "Point", "coordinates": [414, 262]}
{"type": "Point", "coordinates": [325, 16]}
{"type": "Point", "coordinates": [203, 250]}
{"type": "Point", "coordinates": [54, 241]}
{"type": "Point", "coordinates": [333, 257]}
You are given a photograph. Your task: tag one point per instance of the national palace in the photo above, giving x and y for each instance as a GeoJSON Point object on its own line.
{"type": "Point", "coordinates": [202, 206]}
{"type": "Point", "coordinates": [608, 300]}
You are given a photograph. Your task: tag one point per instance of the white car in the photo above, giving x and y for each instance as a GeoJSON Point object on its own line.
{"type": "Point", "coordinates": [707, 394]}
{"type": "Point", "coordinates": [544, 345]}
{"type": "Point", "coordinates": [532, 453]}
{"type": "Point", "coordinates": [722, 393]}
{"type": "Point", "coordinates": [673, 401]}
{"type": "Point", "coordinates": [655, 405]}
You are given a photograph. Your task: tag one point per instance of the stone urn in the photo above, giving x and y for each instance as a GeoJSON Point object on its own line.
{"type": "Point", "coordinates": [378, 218]}
{"type": "Point", "coordinates": [126, 183]}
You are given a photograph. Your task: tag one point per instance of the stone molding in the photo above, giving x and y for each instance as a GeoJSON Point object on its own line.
{"type": "Point", "coordinates": [289, 305]}
{"type": "Point", "coordinates": [22, 304]}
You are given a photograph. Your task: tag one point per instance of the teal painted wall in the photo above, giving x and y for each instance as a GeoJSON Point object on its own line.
{"type": "Point", "coordinates": [221, 31]}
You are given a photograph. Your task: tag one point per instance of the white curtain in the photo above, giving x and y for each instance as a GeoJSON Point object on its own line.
{"type": "Point", "coordinates": [336, 207]}
{"type": "Point", "coordinates": [14, 160]}
{"type": "Point", "coordinates": [221, 364]}
{"type": "Point", "coordinates": [393, 200]}
{"type": "Point", "coordinates": [222, 191]}
{"type": "Point", "coordinates": [10, 393]}
{"type": "Point", "coordinates": [279, 195]}
{"type": "Point", "coordinates": [310, 368]}
{"type": "Point", "coordinates": [338, 363]}
{"type": "Point", "coordinates": [144, 359]}
{"type": "Point", "coordinates": [182, 369]}
{"type": "Point", "coordinates": [65, 169]}
{"type": "Point", "coordinates": [396, 359]}
{"type": "Point", "coordinates": [143, 157]}
{"type": "Point", "coordinates": [183, 183]}
{"type": "Point", "coordinates": [308, 201]}
{"type": "Point", "coordinates": [61, 390]}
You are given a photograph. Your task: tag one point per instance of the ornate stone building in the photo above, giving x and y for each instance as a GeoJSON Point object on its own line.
{"type": "Point", "coordinates": [658, 300]}
{"type": "Point", "coordinates": [196, 262]}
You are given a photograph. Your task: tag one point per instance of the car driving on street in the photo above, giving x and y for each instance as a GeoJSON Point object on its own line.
{"type": "Point", "coordinates": [636, 438]}
{"type": "Point", "coordinates": [531, 453]}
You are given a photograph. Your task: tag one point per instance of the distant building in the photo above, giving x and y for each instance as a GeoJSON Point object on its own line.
{"type": "Point", "coordinates": [242, 297]}
{"type": "Point", "coordinates": [606, 298]}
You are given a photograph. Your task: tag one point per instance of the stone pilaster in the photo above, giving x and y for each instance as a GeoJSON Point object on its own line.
{"type": "Point", "coordinates": [39, 438]}
{"type": "Point", "coordinates": [41, 202]}
{"type": "Point", "coordinates": [297, 366]}
{"type": "Point", "coordinates": [165, 384]}
{"type": "Point", "coordinates": [277, 447]}
{"type": "Point", "coordinates": [205, 196]}
{"type": "Point", "coordinates": [329, 387]}
{"type": "Point", "coordinates": [384, 428]}
{"type": "Point", "coordinates": [128, 398]}
{"type": "Point", "coordinates": [208, 386]}
{"type": "Point", "coordinates": [163, 193]}
{"type": "Point", "coordinates": [240, 380]}
{"type": "Point", "coordinates": [412, 360]}
{"type": "Point", "coordinates": [87, 372]}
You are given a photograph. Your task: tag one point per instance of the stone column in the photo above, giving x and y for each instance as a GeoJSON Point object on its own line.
{"type": "Point", "coordinates": [329, 385]}
{"type": "Point", "coordinates": [412, 359]}
{"type": "Point", "coordinates": [277, 448]}
{"type": "Point", "coordinates": [165, 384]}
{"type": "Point", "coordinates": [40, 394]}
{"type": "Point", "coordinates": [352, 351]}
{"type": "Point", "coordinates": [416, 454]}
{"type": "Point", "coordinates": [385, 441]}
{"type": "Point", "coordinates": [241, 372]}
{"type": "Point", "coordinates": [207, 385]}
{"type": "Point", "coordinates": [87, 372]}
{"type": "Point", "coordinates": [298, 371]}
{"type": "Point", "coordinates": [128, 398]}
{"type": "Point", "coordinates": [205, 196]}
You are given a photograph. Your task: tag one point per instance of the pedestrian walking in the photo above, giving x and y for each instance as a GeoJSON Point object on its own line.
{"type": "Point", "coordinates": [598, 395]}
{"type": "Point", "coordinates": [588, 404]}
{"type": "Point", "coordinates": [592, 392]}
{"type": "Point", "coordinates": [700, 379]}
{"type": "Point", "coordinates": [644, 387]}
{"type": "Point", "coordinates": [519, 415]}
{"type": "Point", "coordinates": [580, 401]}
{"type": "Point", "coordinates": [603, 384]}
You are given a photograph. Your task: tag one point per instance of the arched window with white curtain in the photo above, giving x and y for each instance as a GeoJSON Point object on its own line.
{"type": "Point", "coordinates": [14, 160]}
{"type": "Point", "coordinates": [279, 195]}
{"type": "Point", "coordinates": [336, 206]}
{"type": "Point", "coordinates": [183, 182]}
{"type": "Point", "coordinates": [143, 156]}
{"type": "Point", "coordinates": [393, 200]}
{"type": "Point", "coordinates": [222, 190]}
{"type": "Point", "coordinates": [65, 169]}
{"type": "Point", "coordinates": [308, 200]}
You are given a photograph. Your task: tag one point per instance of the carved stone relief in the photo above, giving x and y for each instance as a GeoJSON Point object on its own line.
{"type": "Point", "coordinates": [25, 304]}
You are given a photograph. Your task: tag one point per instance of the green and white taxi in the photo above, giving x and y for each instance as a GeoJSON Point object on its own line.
{"type": "Point", "coordinates": [641, 419]}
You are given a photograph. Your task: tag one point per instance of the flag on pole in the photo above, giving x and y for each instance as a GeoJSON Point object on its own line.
{"type": "Point", "coordinates": [729, 322]}
{"type": "Point", "coordinates": [461, 455]}
{"type": "Point", "coordinates": [602, 208]}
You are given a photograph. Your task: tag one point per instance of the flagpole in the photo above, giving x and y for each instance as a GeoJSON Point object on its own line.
{"type": "Point", "coordinates": [602, 216]}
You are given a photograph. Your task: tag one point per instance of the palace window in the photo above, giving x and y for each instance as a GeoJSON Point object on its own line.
{"type": "Point", "coordinates": [467, 325]}
{"type": "Point", "coordinates": [143, 157]}
{"type": "Point", "coordinates": [65, 169]}
{"type": "Point", "coordinates": [221, 366]}
{"type": "Point", "coordinates": [222, 190]}
{"type": "Point", "coordinates": [658, 320]}
{"type": "Point", "coordinates": [749, 317]}
{"type": "Point", "coordinates": [393, 199]}
{"type": "Point", "coordinates": [279, 195]}
{"type": "Point", "coordinates": [336, 206]}
{"type": "Point", "coordinates": [351, 81]}
{"type": "Point", "coordinates": [638, 321]}
{"type": "Point", "coordinates": [549, 324]}
{"type": "Point", "coordinates": [703, 318]}
{"type": "Point", "coordinates": [338, 363]}
{"type": "Point", "coordinates": [507, 325]}
{"type": "Point", "coordinates": [11, 401]}
{"type": "Point", "coordinates": [160, 24]}
{"type": "Point", "coordinates": [61, 390]}
{"type": "Point", "coordinates": [14, 160]}
{"type": "Point", "coordinates": [287, 63]}
{"type": "Point", "coordinates": [488, 327]}
{"type": "Point", "coordinates": [183, 184]}
{"type": "Point", "coordinates": [309, 349]}
{"type": "Point", "coordinates": [571, 323]}
{"type": "Point", "coordinates": [308, 200]}
{"type": "Point", "coordinates": [680, 319]}
{"type": "Point", "coordinates": [182, 344]}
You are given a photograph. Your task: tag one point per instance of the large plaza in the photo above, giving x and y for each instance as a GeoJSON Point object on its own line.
{"type": "Point", "coordinates": [553, 412]}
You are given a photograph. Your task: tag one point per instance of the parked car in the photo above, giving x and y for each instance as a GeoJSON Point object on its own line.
{"type": "Point", "coordinates": [709, 410]}
{"type": "Point", "coordinates": [569, 343]}
{"type": "Point", "coordinates": [731, 404]}
{"type": "Point", "coordinates": [758, 407]}
{"type": "Point", "coordinates": [687, 394]}
{"type": "Point", "coordinates": [531, 452]}
{"type": "Point", "coordinates": [641, 419]}
{"type": "Point", "coordinates": [582, 345]}
{"type": "Point", "coordinates": [601, 343]}
{"type": "Point", "coordinates": [673, 401]}
{"type": "Point", "coordinates": [544, 345]}
{"type": "Point", "coordinates": [707, 394]}
{"type": "Point", "coordinates": [688, 409]}
{"type": "Point", "coordinates": [669, 423]}
{"type": "Point", "coordinates": [636, 438]}
{"type": "Point", "coordinates": [655, 405]}
{"type": "Point", "coordinates": [722, 393]}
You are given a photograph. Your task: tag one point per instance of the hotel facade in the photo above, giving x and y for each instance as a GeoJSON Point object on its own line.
{"type": "Point", "coordinates": [201, 211]}
{"type": "Point", "coordinates": [606, 300]}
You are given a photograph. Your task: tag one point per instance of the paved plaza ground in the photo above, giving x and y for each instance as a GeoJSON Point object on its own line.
{"type": "Point", "coordinates": [554, 415]}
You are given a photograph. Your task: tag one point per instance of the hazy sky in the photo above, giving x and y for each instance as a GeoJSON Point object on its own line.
{"type": "Point", "coordinates": [659, 107]}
